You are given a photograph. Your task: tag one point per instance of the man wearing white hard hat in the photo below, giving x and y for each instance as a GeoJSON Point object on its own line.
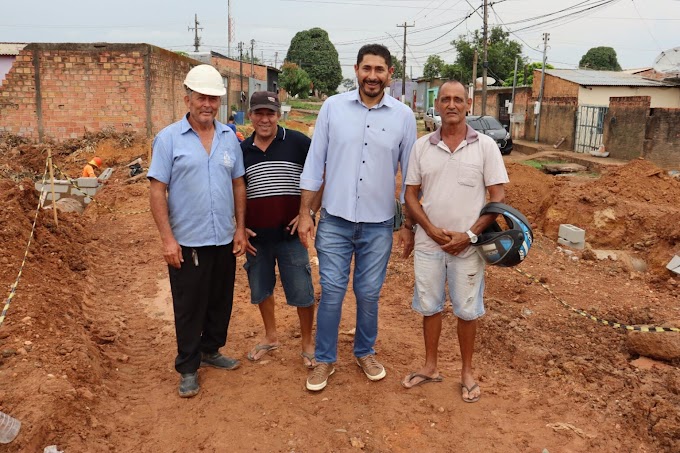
{"type": "Point", "coordinates": [197, 190]}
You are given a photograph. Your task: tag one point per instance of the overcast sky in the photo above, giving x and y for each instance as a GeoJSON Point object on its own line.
{"type": "Point", "coordinates": [637, 29]}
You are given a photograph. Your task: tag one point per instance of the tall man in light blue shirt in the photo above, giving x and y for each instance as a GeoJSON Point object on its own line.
{"type": "Point", "coordinates": [361, 139]}
{"type": "Point", "coordinates": [197, 189]}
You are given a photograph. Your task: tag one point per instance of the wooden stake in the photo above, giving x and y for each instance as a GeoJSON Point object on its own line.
{"type": "Point", "coordinates": [54, 202]}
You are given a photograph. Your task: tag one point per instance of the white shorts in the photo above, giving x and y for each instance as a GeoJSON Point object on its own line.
{"type": "Point", "coordinates": [466, 284]}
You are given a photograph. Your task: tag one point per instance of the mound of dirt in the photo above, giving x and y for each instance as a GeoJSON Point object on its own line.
{"type": "Point", "coordinates": [633, 207]}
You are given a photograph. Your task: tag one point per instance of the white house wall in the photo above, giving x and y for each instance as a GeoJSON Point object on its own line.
{"type": "Point", "coordinates": [661, 97]}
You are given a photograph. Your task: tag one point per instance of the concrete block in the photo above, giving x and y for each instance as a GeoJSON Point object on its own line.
{"type": "Point", "coordinates": [85, 190]}
{"type": "Point", "coordinates": [106, 174]}
{"type": "Point", "coordinates": [48, 197]}
{"type": "Point", "coordinates": [674, 265]}
{"type": "Point", "coordinates": [575, 245]}
{"type": "Point", "coordinates": [87, 200]}
{"type": "Point", "coordinates": [87, 182]}
{"type": "Point", "coordinates": [572, 233]}
{"type": "Point", "coordinates": [47, 187]}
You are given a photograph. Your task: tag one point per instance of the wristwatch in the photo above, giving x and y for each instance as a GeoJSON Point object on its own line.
{"type": "Point", "coordinates": [472, 236]}
{"type": "Point", "coordinates": [412, 227]}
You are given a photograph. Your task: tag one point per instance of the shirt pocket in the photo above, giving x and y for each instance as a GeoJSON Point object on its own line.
{"type": "Point", "coordinates": [227, 161]}
{"type": "Point", "coordinates": [469, 175]}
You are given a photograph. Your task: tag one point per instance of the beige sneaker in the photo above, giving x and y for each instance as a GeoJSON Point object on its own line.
{"type": "Point", "coordinates": [371, 367]}
{"type": "Point", "coordinates": [318, 377]}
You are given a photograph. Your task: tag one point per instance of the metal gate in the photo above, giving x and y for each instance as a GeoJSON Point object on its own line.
{"type": "Point", "coordinates": [589, 128]}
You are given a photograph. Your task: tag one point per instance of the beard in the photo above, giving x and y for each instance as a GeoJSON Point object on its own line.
{"type": "Point", "coordinates": [372, 91]}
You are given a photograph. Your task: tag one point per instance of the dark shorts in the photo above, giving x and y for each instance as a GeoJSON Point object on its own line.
{"type": "Point", "coordinates": [294, 268]}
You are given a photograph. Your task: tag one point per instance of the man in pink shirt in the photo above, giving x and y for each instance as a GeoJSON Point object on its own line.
{"type": "Point", "coordinates": [454, 167]}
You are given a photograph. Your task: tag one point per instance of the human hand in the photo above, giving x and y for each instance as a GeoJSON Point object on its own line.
{"type": "Point", "coordinates": [240, 242]}
{"type": "Point", "coordinates": [406, 239]}
{"type": "Point", "coordinates": [457, 243]}
{"type": "Point", "coordinates": [172, 252]}
{"type": "Point", "coordinates": [249, 247]}
{"type": "Point", "coordinates": [439, 235]}
{"type": "Point", "coordinates": [293, 225]}
{"type": "Point", "coordinates": [305, 229]}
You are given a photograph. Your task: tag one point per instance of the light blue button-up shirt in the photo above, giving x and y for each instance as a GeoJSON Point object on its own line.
{"type": "Point", "coordinates": [360, 149]}
{"type": "Point", "coordinates": [200, 194]}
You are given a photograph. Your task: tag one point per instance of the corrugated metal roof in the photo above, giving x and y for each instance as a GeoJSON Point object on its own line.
{"type": "Point", "coordinates": [11, 48]}
{"type": "Point", "coordinates": [605, 78]}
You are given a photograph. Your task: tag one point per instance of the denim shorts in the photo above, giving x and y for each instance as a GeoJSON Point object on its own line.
{"type": "Point", "coordinates": [466, 284]}
{"type": "Point", "coordinates": [294, 268]}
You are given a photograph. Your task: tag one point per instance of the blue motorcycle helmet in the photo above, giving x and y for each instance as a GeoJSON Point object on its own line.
{"type": "Point", "coordinates": [505, 247]}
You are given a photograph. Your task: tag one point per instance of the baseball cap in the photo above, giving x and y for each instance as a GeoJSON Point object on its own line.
{"type": "Point", "coordinates": [265, 100]}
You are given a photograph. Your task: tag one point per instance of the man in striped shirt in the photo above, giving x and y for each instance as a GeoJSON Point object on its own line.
{"type": "Point", "coordinates": [274, 157]}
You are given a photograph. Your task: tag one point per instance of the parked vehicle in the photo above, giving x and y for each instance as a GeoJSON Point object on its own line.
{"type": "Point", "coordinates": [432, 120]}
{"type": "Point", "coordinates": [490, 126]}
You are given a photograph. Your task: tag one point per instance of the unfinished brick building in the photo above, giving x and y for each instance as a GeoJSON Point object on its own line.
{"type": "Point", "coordinates": [60, 91]}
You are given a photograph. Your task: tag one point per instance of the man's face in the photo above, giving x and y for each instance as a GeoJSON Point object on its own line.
{"type": "Point", "coordinates": [452, 104]}
{"type": "Point", "coordinates": [373, 75]}
{"type": "Point", "coordinates": [202, 108]}
{"type": "Point", "coordinates": [264, 121]}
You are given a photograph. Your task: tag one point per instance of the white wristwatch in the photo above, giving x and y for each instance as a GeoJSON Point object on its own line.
{"type": "Point", "coordinates": [472, 236]}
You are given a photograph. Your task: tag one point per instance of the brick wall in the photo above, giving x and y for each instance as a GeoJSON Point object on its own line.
{"type": "Point", "coordinates": [625, 126]}
{"type": "Point", "coordinates": [554, 86]}
{"type": "Point", "coordinates": [662, 138]}
{"type": "Point", "coordinates": [558, 120]}
{"type": "Point", "coordinates": [60, 91]}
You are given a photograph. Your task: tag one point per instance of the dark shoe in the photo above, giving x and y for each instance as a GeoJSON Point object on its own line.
{"type": "Point", "coordinates": [217, 360]}
{"type": "Point", "coordinates": [188, 385]}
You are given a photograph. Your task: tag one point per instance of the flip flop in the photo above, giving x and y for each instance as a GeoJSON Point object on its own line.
{"type": "Point", "coordinates": [261, 347]}
{"type": "Point", "coordinates": [425, 380]}
{"type": "Point", "coordinates": [469, 390]}
{"type": "Point", "coordinates": [308, 356]}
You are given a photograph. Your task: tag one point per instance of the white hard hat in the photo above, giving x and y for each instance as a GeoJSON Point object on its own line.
{"type": "Point", "coordinates": [206, 80]}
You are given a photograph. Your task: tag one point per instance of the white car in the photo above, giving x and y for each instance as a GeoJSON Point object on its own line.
{"type": "Point", "coordinates": [432, 120]}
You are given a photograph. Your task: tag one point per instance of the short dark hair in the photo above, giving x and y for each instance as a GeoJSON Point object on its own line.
{"type": "Point", "coordinates": [455, 82]}
{"type": "Point", "coordinates": [375, 49]}
{"type": "Point", "coordinates": [231, 118]}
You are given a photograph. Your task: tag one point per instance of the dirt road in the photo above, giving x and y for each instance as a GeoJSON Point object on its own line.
{"type": "Point", "coordinates": [88, 345]}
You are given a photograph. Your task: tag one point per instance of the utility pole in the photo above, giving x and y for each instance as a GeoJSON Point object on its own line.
{"type": "Point", "coordinates": [403, 64]}
{"type": "Point", "coordinates": [240, 57]}
{"type": "Point", "coordinates": [276, 59]}
{"type": "Point", "coordinates": [230, 34]}
{"type": "Point", "coordinates": [511, 111]}
{"type": "Point", "coordinates": [252, 58]}
{"type": "Point", "coordinates": [474, 79]}
{"type": "Point", "coordinates": [537, 111]}
{"type": "Point", "coordinates": [197, 40]}
{"type": "Point", "coordinates": [485, 61]}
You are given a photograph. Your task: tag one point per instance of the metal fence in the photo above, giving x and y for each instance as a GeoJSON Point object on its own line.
{"type": "Point", "coordinates": [589, 128]}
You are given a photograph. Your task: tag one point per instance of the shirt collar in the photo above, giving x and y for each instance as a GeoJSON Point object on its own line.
{"type": "Point", "coordinates": [280, 135]}
{"type": "Point", "coordinates": [186, 126]}
{"type": "Point", "coordinates": [471, 135]}
{"type": "Point", "coordinates": [386, 101]}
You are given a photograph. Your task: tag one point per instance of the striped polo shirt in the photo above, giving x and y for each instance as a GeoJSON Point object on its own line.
{"type": "Point", "coordinates": [273, 182]}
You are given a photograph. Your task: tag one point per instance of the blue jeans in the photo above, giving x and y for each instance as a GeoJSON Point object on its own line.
{"type": "Point", "coordinates": [294, 268]}
{"type": "Point", "coordinates": [337, 240]}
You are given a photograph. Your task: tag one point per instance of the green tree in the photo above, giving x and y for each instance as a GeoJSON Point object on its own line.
{"type": "Point", "coordinates": [295, 80]}
{"type": "Point", "coordinates": [452, 72]}
{"type": "Point", "coordinates": [247, 58]}
{"type": "Point", "coordinates": [529, 71]}
{"type": "Point", "coordinates": [348, 84]}
{"type": "Point", "coordinates": [433, 67]}
{"type": "Point", "coordinates": [398, 69]}
{"type": "Point", "coordinates": [502, 52]}
{"type": "Point", "coordinates": [313, 51]}
{"type": "Point", "coordinates": [601, 59]}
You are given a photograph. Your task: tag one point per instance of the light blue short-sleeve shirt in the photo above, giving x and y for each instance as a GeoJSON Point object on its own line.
{"type": "Point", "coordinates": [200, 193]}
